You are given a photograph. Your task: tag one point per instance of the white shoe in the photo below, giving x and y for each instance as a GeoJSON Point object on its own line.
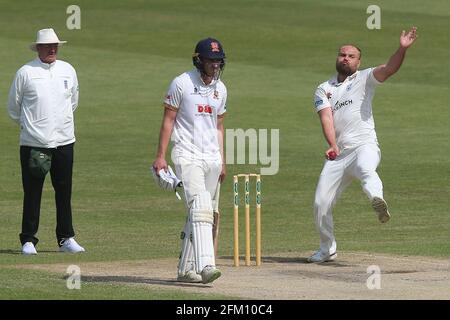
{"type": "Point", "coordinates": [210, 273]}
{"type": "Point", "coordinates": [70, 245]}
{"type": "Point", "coordinates": [319, 257]}
{"type": "Point", "coordinates": [190, 276]}
{"type": "Point", "coordinates": [381, 208]}
{"type": "Point", "coordinates": [28, 248]}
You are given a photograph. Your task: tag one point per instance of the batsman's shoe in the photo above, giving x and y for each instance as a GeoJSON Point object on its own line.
{"type": "Point", "coordinates": [381, 208]}
{"type": "Point", "coordinates": [210, 273]}
{"type": "Point", "coordinates": [70, 245]}
{"type": "Point", "coordinates": [28, 248]}
{"type": "Point", "coordinates": [191, 276]}
{"type": "Point", "coordinates": [319, 257]}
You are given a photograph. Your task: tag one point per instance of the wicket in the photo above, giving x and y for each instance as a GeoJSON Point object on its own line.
{"type": "Point", "coordinates": [247, 218]}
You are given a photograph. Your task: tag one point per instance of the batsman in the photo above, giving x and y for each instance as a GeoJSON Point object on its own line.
{"type": "Point", "coordinates": [194, 110]}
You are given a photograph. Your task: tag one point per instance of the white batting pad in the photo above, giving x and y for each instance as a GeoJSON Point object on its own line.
{"type": "Point", "coordinates": [201, 210]}
{"type": "Point", "coordinates": [203, 245]}
{"type": "Point", "coordinates": [187, 261]}
{"type": "Point", "coordinates": [202, 219]}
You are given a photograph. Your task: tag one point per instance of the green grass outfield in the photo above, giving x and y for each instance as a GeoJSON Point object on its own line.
{"type": "Point", "coordinates": [126, 54]}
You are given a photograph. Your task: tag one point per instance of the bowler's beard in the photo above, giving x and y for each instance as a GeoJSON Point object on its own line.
{"type": "Point", "coordinates": [344, 69]}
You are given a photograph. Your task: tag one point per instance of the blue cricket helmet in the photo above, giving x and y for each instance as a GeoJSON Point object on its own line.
{"type": "Point", "coordinates": [208, 48]}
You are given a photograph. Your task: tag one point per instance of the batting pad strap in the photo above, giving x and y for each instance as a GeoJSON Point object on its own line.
{"type": "Point", "coordinates": [201, 210]}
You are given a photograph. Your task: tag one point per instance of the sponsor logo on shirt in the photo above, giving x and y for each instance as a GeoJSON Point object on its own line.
{"type": "Point", "coordinates": [329, 95]}
{"type": "Point", "coordinates": [349, 87]}
{"type": "Point", "coordinates": [195, 91]}
{"type": "Point", "coordinates": [339, 105]}
{"type": "Point", "coordinates": [204, 110]}
{"type": "Point", "coordinates": [66, 85]}
{"type": "Point", "coordinates": [318, 102]}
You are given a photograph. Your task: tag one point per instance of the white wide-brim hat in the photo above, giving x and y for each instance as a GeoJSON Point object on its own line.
{"type": "Point", "coordinates": [46, 36]}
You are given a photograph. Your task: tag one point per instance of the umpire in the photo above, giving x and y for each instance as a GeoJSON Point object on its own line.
{"type": "Point", "coordinates": [42, 99]}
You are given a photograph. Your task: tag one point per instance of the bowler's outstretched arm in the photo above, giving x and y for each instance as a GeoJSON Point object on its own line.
{"type": "Point", "coordinates": [384, 71]}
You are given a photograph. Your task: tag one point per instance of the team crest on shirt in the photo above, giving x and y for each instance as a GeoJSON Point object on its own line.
{"type": "Point", "coordinates": [329, 95]}
{"type": "Point", "coordinates": [216, 95]}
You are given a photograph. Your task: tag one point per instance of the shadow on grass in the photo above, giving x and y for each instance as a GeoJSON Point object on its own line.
{"type": "Point", "coordinates": [19, 252]}
{"type": "Point", "coordinates": [267, 259]}
{"type": "Point", "coordinates": [303, 260]}
{"type": "Point", "coordinates": [299, 260]}
{"type": "Point", "coordinates": [141, 280]}
{"type": "Point", "coordinates": [10, 251]}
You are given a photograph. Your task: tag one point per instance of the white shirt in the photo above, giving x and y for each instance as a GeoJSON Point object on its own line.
{"type": "Point", "coordinates": [198, 106]}
{"type": "Point", "coordinates": [351, 104]}
{"type": "Point", "coordinates": [42, 99]}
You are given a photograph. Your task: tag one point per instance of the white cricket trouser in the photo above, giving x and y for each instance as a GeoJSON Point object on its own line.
{"type": "Point", "coordinates": [360, 163]}
{"type": "Point", "coordinates": [198, 176]}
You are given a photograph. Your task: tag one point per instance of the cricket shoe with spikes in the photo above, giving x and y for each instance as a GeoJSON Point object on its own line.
{"type": "Point", "coordinates": [319, 257]}
{"type": "Point", "coordinates": [191, 277]}
{"type": "Point", "coordinates": [381, 208]}
{"type": "Point", "coordinates": [210, 273]}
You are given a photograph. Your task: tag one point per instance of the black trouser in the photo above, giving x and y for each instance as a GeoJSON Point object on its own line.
{"type": "Point", "coordinates": [61, 174]}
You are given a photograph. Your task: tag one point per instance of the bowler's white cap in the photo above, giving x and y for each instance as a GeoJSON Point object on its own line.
{"type": "Point", "coordinates": [46, 36]}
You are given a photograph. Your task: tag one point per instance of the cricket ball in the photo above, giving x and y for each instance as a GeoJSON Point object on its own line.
{"type": "Point", "coordinates": [332, 155]}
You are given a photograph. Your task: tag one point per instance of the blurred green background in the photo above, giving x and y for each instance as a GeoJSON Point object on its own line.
{"type": "Point", "coordinates": [127, 52]}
